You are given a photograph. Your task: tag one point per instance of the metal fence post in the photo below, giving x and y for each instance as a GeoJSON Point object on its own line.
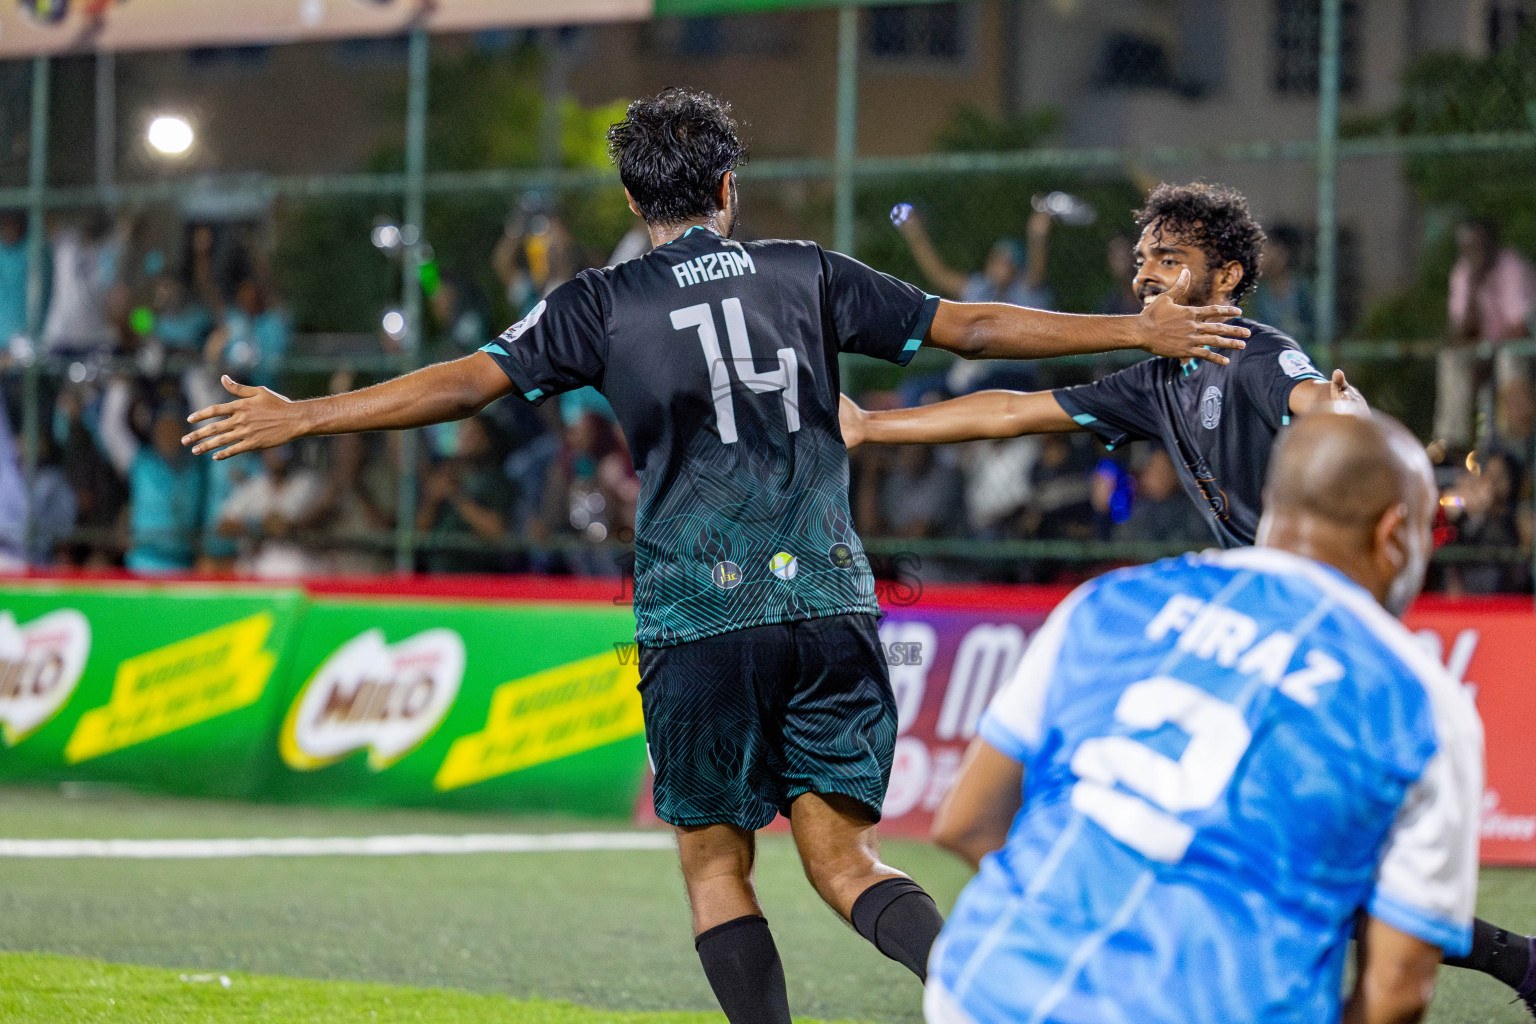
{"type": "Point", "coordinates": [847, 128]}
{"type": "Point", "coordinates": [37, 183]}
{"type": "Point", "coordinates": [410, 283]}
{"type": "Point", "coordinates": [1325, 324]}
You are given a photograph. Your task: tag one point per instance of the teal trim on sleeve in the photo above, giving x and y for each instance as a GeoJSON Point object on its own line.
{"type": "Point", "coordinates": [1082, 419]}
{"type": "Point", "coordinates": [1285, 420]}
{"type": "Point", "coordinates": [494, 349]}
{"type": "Point", "coordinates": [925, 317]}
{"type": "Point", "coordinates": [534, 395]}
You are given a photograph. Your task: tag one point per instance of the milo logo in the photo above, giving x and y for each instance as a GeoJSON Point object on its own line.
{"type": "Point", "coordinates": [374, 696]}
{"type": "Point", "coordinates": [40, 665]}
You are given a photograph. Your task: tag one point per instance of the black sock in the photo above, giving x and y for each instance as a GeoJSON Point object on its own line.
{"type": "Point", "coordinates": [1504, 955]}
{"type": "Point", "coordinates": [901, 920]}
{"type": "Point", "coordinates": [743, 967]}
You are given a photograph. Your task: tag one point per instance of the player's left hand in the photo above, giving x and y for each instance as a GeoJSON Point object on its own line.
{"type": "Point", "coordinates": [1181, 332]}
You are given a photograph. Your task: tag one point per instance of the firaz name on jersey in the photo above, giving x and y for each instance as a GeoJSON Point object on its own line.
{"type": "Point", "coordinates": [1219, 634]}
{"type": "Point", "coordinates": [712, 266]}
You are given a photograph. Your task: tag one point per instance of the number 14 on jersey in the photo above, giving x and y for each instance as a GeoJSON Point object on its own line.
{"type": "Point", "coordinates": [785, 379]}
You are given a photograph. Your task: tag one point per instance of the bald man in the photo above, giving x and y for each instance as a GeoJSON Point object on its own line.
{"type": "Point", "coordinates": [1209, 772]}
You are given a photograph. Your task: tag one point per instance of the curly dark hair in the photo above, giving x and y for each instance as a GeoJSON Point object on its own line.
{"type": "Point", "coordinates": [1213, 218]}
{"type": "Point", "coordinates": [672, 149]}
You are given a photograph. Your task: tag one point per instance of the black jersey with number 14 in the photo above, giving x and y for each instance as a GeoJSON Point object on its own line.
{"type": "Point", "coordinates": [720, 361]}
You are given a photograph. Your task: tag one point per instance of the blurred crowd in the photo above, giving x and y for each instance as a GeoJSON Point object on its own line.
{"type": "Point", "coordinates": [133, 339]}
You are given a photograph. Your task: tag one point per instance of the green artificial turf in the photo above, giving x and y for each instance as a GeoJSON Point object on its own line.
{"type": "Point", "coordinates": [606, 930]}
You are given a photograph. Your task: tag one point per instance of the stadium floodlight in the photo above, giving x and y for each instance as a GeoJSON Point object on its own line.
{"type": "Point", "coordinates": [170, 135]}
{"type": "Point", "coordinates": [394, 324]}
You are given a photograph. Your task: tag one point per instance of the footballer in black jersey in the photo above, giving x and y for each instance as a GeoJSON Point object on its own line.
{"type": "Point", "coordinates": [1217, 422]}
{"type": "Point", "coordinates": [762, 679]}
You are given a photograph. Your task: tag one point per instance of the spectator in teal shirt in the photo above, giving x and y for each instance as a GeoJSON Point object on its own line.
{"type": "Point", "coordinates": [13, 276]}
{"type": "Point", "coordinates": [165, 485]}
{"type": "Point", "coordinates": [253, 339]}
{"type": "Point", "coordinates": [180, 323]}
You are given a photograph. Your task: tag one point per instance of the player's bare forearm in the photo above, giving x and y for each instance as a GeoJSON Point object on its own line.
{"type": "Point", "coordinates": [261, 418]}
{"type": "Point", "coordinates": [985, 414]}
{"type": "Point", "coordinates": [1310, 394]}
{"type": "Point", "coordinates": [996, 330]}
{"type": "Point", "coordinates": [1395, 978]}
{"type": "Point", "coordinates": [975, 815]}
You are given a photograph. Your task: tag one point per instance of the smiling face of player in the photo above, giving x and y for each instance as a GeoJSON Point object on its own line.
{"type": "Point", "coordinates": [1162, 254]}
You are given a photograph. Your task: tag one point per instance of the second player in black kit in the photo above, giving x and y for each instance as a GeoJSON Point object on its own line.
{"type": "Point", "coordinates": [1218, 423]}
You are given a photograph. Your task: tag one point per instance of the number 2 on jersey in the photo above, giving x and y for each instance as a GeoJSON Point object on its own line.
{"type": "Point", "coordinates": [1218, 738]}
{"type": "Point", "coordinates": [785, 379]}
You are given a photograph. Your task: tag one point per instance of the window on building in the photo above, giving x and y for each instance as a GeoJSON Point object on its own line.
{"type": "Point", "coordinates": [1299, 43]}
{"type": "Point", "coordinates": [924, 32]}
{"type": "Point", "coordinates": [758, 35]}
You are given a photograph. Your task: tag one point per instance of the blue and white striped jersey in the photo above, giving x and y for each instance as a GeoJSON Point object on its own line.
{"type": "Point", "coordinates": [1225, 757]}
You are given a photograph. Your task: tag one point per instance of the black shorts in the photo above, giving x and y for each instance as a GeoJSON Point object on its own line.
{"type": "Point", "coordinates": [740, 724]}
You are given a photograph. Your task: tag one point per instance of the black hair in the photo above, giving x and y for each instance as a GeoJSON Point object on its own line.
{"type": "Point", "coordinates": [1214, 219]}
{"type": "Point", "coordinates": [671, 151]}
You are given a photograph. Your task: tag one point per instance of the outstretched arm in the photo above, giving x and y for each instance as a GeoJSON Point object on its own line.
{"type": "Point", "coordinates": [968, 418]}
{"type": "Point", "coordinates": [262, 418]}
{"type": "Point", "coordinates": [1309, 394]}
{"type": "Point", "coordinates": [995, 330]}
{"type": "Point", "coordinates": [974, 817]}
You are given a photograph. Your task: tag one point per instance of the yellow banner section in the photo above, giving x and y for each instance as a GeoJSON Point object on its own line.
{"type": "Point", "coordinates": [181, 684]}
{"type": "Point", "coordinates": [546, 716]}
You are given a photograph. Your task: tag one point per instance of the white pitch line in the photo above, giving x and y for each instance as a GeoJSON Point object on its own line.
{"type": "Point", "coordinates": [345, 846]}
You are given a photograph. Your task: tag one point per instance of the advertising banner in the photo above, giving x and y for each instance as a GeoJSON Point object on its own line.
{"type": "Point", "coordinates": [508, 707]}
{"type": "Point", "coordinates": [169, 688]}
{"type": "Point", "coordinates": [57, 26]}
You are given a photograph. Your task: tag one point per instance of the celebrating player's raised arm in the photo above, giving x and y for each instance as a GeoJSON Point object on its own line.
{"type": "Point", "coordinates": [996, 330]}
{"type": "Point", "coordinates": [984, 414]}
{"type": "Point", "coordinates": [262, 418]}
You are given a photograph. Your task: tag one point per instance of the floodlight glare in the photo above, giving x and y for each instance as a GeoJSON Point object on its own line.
{"type": "Point", "coordinates": [170, 135]}
{"type": "Point", "coordinates": [394, 324]}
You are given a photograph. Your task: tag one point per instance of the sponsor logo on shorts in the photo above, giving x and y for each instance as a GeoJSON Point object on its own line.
{"type": "Point", "coordinates": [1210, 408]}
{"type": "Point", "coordinates": [1295, 364]}
{"type": "Point", "coordinates": [726, 574]}
{"type": "Point", "coordinates": [784, 565]}
{"type": "Point", "coordinates": [841, 556]}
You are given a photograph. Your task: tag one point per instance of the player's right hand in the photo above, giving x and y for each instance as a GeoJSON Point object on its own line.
{"type": "Point", "coordinates": [851, 418]}
{"type": "Point", "coordinates": [1181, 332]}
{"type": "Point", "coordinates": [257, 418]}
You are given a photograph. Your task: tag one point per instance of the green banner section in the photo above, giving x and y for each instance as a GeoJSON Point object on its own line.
{"type": "Point", "coordinates": [526, 707]}
{"type": "Point", "coordinates": [272, 694]}
{"type": "Point", "coordinates": [172, 689]}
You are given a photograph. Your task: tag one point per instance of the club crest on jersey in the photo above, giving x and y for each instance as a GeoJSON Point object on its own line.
{"type": "Point", "coordinates": [1210, 408]}
{"type": "Point", "coordinates": [726, 574]}
{"type": "Point", "coordinates": [784, 565]}
{"type": "Point", "coordinates": [841, 556]}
